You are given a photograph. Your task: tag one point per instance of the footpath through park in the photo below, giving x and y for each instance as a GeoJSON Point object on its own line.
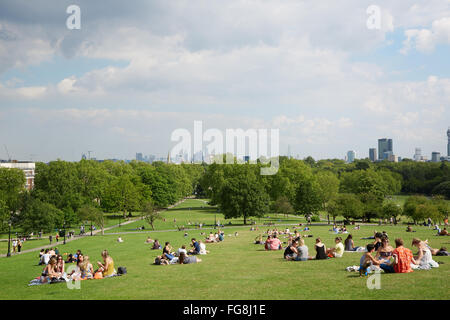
{"type": "Point", "coordinates": [52, 245]}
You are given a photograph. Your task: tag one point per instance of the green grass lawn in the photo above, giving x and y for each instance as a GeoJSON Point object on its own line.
{"type": "Point", "coordinates": [235, 269]}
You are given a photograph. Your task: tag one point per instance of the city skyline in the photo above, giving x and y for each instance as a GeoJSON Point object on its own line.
{"type": "Point", "coordinates": [132, 74]}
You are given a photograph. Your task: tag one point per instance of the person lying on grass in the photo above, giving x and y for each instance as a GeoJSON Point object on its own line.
{"type": "Point", "coordinates": [444, 232]}
{"type": "Point", "coordinates": [149, 240]}
{"type": "Point", "coordinates": [107, 267]}
{"type": "Point", "coordinates": [184, 259]}
{"type": "Point", "coordinates": [338, 249]}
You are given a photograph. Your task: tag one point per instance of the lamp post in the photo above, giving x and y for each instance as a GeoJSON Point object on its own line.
{"type": "Point", "coordinates": [91, 228]}
{"type": "Point", "coordinates": [9, 240]}
{"type": "Point", "coordinates": [215, 222]}
{"type": "Point", "coordinates": [64, 226]}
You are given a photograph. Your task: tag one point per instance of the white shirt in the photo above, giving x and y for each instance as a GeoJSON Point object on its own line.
{"type": "Point", "coordinates": [46, 257]}
{"type": "Point", "coordinates": [180, 250]}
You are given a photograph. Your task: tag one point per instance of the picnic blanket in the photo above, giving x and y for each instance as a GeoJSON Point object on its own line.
{"type": "Point", "coordinates": [37, 281]}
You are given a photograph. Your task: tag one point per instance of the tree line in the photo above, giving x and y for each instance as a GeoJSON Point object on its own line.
{"type": "Point", "coordinates": [66, 193]}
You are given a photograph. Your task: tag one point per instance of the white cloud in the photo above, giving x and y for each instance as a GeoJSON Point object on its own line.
{"type": "Point", "coordinates": [425, 40]}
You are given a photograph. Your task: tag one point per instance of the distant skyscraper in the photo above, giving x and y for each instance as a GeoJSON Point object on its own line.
{"type": "Point", "coordinates": [435, 156]}
{"type": "Point", "coordinates": [448, 144]}
{"type": "Point", "coordinates": [384, 145]}
{"type": "Point", "coordinates": [289, 151]}
{"type": "Point", "coordinates": [351, 156]}
{"type": "Point", "coordinates": [373, 154]}
{"type": "Point", "coordinates": [418, 154]}
{"type": "Point", "coordinates": [139, 157]}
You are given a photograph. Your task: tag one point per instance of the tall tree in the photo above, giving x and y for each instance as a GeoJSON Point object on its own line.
{"type": "Point", "coordinates": [243, 194]}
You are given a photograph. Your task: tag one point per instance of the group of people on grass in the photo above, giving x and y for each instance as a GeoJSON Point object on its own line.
{"type": "Point", "coordinates": [182, 255]}
{"type": "Point", "coordinates": [398, 260]}
{"type": "Point", "coordinates": [55, 267]}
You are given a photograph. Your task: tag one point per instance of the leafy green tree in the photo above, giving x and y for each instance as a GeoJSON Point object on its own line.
{"type": "Point", "coordinates": [93, 215]}
{"type": "Point", "coordinates": [38, 215]}
{"type": "Point", "coordinates": [393, 210]}
{"type": "Point", "coordinates": [243, 194]}
{"type": "Point", "coordinates": [347, 205]}
{"type": "Point", "coordinates": [12, 188]}
{"type": "Point", "coordinates": [307, 197]}
{"type": "Point", "coordinates": [121, 195]}
{"type": "Point", "coordinates": [442, 189]}
{"type": "Point", "coordinates": [329, 188]}
{"type": "Point", "coordinates": [411, 208]}
{"type": "Point", "coordinates": [282, 205]}
{"type": "Point", "coordinates": [150, 214]}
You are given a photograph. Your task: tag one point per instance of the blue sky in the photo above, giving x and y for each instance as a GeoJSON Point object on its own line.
{"type": "Point", "coordinates": [136, 71]}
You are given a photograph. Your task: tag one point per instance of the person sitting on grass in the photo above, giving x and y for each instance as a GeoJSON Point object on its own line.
{"type": "Point", "coordinates": [50, 272]}
{"type": "Point", "coordinates": [367, 262]}
{"type": "Point", "coordinates": [443, 232]}
{"type": "Point", "coordinates": [384, 252]}
{"type": "Point", "coordinates": [196, 247]}
{"type": "Point", "coordinates": [302, 252]}
{"type": "Point", "coordinates": [320, 250]}
{"type": "Point", "coordinates": [259, 239]}
{"type": "Point", "coordinates": [291, 251]}
{"type": "Point", "coordinates": [119, 239]}
{"type": "Point", "coordinates": [403, 257]}
{"type": "Point", "coordinates": [60, 266]}
{"type": "Point", "coordinates": [349, 244]}
{"type": "Point", "coordinates": [203, 248]}
{"type": "Point", "coordinates": [377, 242]}
{"type": "Point", "coordinates": [184, 259]}
{"type": "Point", "coordinates": [156, 245]}
{"type": "Point", "coordinates": [168, 251]}
{"type": "Point", "coordinates": [107, 267]}
{"type": "Point", "coordinates": [409, 229]}
{"type": "Point", "coordinates": [211, 238]}
{"type": "Point", "coordinates": [87, 268]}
{"type": "Point", "coordinates": [338, 249]}
{"type": "Point", "coordinates": [41, 253]}
{"type": "Point", "coordinates": [274, 244]}
{"type": "Point", "coordinates": [45, 257]}
{"type": "Point", "coordinates": [424, 259]}
{"type": "Point", "coordinates": [180, 250]}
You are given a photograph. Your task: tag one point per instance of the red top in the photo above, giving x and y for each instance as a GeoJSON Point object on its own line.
{"type": "Point", "coordinates": [403, 264]}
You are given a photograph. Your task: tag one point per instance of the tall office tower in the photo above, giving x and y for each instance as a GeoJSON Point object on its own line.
{"type": "Point", "coordinates": [435, 156]}
{"type": "Point", "coordinates": [351, 155]}
{"type": "Point", "coordinates": [139, 157]}
{"type": "Point", "coordinates": [448, 144]}
{"type": "Point", "coordinates": [373, 154]}
{"type": "Point", "coordinates": [384, 145]}
{"type": "Point", "coordinates": [418, 154]}
{"type": "Point", "coordinates": [289, 151]}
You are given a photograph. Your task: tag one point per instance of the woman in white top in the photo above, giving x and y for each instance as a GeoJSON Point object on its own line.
{"type": "Point", "coordinates": [424, 258]}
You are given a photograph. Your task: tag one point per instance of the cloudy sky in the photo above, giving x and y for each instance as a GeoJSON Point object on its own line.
{"type": "Point", "coordinates": [137, 70]}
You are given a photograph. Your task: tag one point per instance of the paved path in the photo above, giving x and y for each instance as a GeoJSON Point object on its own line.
{"type": "Point", "coordinates": [54, 244]}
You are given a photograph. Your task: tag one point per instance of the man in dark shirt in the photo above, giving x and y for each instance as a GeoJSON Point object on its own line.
{"type": "Point", "coordinates": [196, 246]}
